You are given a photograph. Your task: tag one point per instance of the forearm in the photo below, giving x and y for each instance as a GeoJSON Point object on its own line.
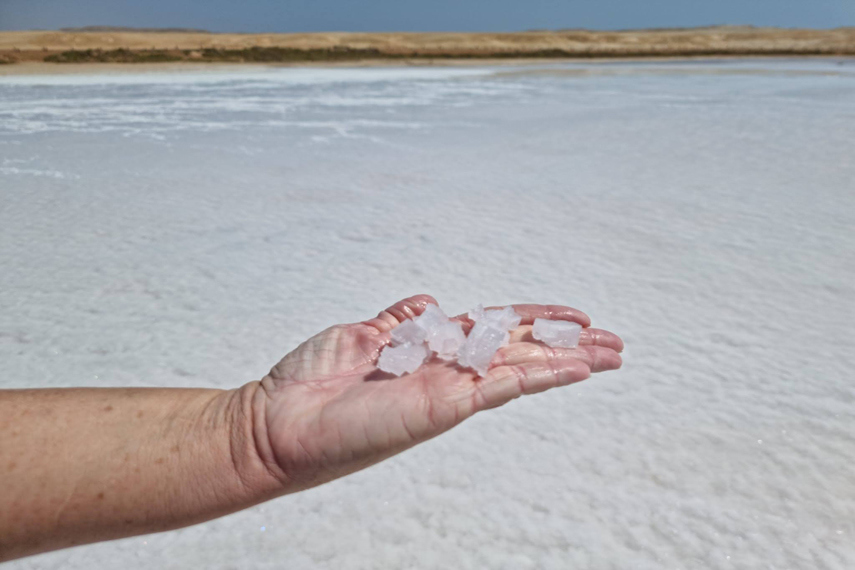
{"type": "Point", "coordinates": [83, 465]}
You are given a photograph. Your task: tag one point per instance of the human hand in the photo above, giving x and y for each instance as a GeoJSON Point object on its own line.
{"type": "Point", "coordinates": [330, 411]}
{"type": "Point", "coordinates": [117, 462]}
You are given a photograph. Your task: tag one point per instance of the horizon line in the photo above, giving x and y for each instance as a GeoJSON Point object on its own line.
{"type": "Point", "coordinates": [173, 29]}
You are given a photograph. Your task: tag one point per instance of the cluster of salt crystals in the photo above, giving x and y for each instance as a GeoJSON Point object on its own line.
{"type": "Point", "coordinates": [490, 333]}
{"type": "Point", "coordinates": [557, 334]}
{"type": "Point", "coordinates": [414, 340]}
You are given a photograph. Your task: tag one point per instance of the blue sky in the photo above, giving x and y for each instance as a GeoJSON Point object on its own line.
{"type": "Point", "coordinates": [421, 15]}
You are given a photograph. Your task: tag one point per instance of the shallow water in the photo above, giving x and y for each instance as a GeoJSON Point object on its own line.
{"type": "Point", "coordinates": [189, 229]}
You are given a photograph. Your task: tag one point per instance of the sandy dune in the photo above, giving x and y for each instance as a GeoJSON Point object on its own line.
{"type": "Point", "coordinates": [23, 46]}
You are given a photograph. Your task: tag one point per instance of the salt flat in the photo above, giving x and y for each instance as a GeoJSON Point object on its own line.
{"type": "Point", "coordinates": [189, 229]}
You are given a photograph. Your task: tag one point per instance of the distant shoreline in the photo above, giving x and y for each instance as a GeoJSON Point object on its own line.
{"type": "Point", "coordinates": [146, 47]}
{"type": "Point", "coordinates": [43, 68]}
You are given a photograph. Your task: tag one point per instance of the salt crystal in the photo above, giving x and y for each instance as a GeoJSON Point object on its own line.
{"type": "Point", "coordinates": [481, 345]}
{"type": "Point", "coordinates": [432, 315]}
{"type": "Point", "coordinates": [446, 340]}
{"type": "Point", "coordinates": [489, 334]}
{"type": "Point", "coordinates": [408, 332]}
{"type": "Point", "coordinates": [444, 337]}
{"type": "Point", "coordinates": [477, 314]}
{"type": "Point", "coordinates": [557, 334]}
{"type": "Point", "coordinates": [506, 318]}
{"type": "Point", "coordinates": [403, 359]}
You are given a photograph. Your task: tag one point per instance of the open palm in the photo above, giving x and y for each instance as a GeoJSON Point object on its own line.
{"type": "Point", "coordinates": [330, 411]}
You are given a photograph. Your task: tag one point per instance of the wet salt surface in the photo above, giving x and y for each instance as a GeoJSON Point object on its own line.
{"type": "Point", "coordinates": [188, 231]}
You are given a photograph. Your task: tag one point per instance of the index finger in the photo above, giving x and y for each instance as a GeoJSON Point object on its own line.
{"type": "Point", "coordinates": [529, 312]}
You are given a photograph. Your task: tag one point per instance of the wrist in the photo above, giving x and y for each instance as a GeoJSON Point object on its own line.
{"type": "Point", "coordinates": [253, 462]}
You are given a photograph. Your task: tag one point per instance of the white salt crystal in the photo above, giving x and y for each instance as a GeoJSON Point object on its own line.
{"type": "Point", "coordinates": [432, 315]}
{"type": "Point", "coordinates": [477, 314]}
{"type": "Point", "coordinates": [444, 337]}
{"type": "Point", "coordinates": [506, 318]}
{"type": "Point", "coordinates": [489, 334]}
{"type": "Point", "coordinates": [402, 359]}
{"type": "Point", "coordinates": [557, 334]}
{"type": "Point", "coordinates": [481, 345]}
{"type": "Point", "coordinates": [408, 332]}
{"type": "Point", "coordinates": [447, 339]}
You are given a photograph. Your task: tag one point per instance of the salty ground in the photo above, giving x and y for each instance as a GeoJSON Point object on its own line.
{"type": "Point", "coordinates": [188, 229]}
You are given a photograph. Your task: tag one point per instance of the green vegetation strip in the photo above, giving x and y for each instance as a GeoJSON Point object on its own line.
{"type": "Point", "coordinates": [281, 54]}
